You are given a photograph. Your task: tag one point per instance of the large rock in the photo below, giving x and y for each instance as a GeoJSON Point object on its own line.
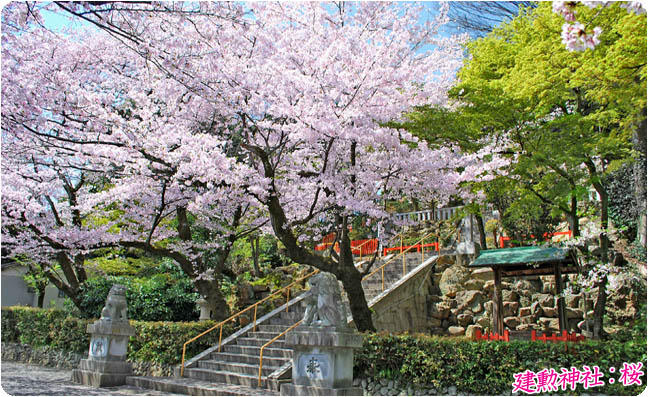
{"type": "Point", "coordinates": [439, 310]}
{"type": "Point", "coordinates": [511, 322]}
{"type": "Point", "coordinates": [456, 331]}
{"type": "Point", "coordinates": [545, 300]}
{"type": "Point", "coordinates": [474, 284]}
{"type": "Point", "coordinates": [572, 301]}
{"type": "Point", "coordinates": [464, 319]}
{"type": "Point", "coordinates": [525, 311]}
{"type": "Point", "coordinates": [549, 323]}
{"type": "Point", "coordinates": [484, 321]}
{"type": "Point", "coordinates": [550, 311]}
{"type": "Point", "coordinates": [452, 280]}
{"type": "Point", "coordinates": [527, 287]}
{"type": "Point", "coordinates": [468, 299]}
{"type": "Point", "coordinates": [471, 329]}
{"type": "Point", "coordinates": [527, 319]}
{"type": "Point", "coordinates": [574, 313]}
{"type": "Point", "coordinates": [510, 296]}
{"type": "Point", "coordinates": [444, 262]}
{"type": "Point", "coordinates": [510, 308]}
{"type": "Point", "coordinates": [489, 286]}
{"type": "Point", "coordinates": [483, 273]}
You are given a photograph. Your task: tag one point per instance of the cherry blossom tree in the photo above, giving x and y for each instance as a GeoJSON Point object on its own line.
{"type": "Point", "coordinates": [90, 161]}
{"type": "Point", "coordinates": [218, 112]}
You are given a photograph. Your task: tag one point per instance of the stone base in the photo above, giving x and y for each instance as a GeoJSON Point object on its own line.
{"type": "Point", "coordinates": [99, 379]}
{"type": "Point", "coordinates": [289, 389]}
{"type": "Point", "coordinates": [112, 367]}
{"type": "Point", "coordinates": [102, 373]}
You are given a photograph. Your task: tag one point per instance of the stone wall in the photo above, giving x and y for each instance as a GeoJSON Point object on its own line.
{"type": "Point", "coordinates": [49, 357]}
{"type": "Point", "coordinates": [400, 309]}
{"type": "Point", "coordinates": [448, 298]}
{"type": "Point", "coordinates": [385, 387]}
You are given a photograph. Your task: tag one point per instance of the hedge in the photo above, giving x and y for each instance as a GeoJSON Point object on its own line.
{"type": "Point", "coordinates": [487, 368]}
{"type": "Point", "coordinates": [155, 342]}
{"type": "Point", "coordinates": [483, 368]}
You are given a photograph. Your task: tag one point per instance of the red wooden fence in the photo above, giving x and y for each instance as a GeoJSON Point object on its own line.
{"type": "Point", "coordinates": [564, 337]}
{"type": "Point", "coordinates": [547, 236]}
{"type": "Point", "coordinates": [406, 247]}
{"type": "Point", "coordinates": [492, 336]}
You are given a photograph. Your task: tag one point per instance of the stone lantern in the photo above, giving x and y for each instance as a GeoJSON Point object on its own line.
{"type": "Point", "coordinates": [106, 364]}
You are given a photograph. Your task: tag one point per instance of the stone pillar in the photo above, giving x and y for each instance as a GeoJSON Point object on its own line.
{"type": "Point", "coordinates": [106, 364]}
{"type": "Point", "coordinates": [322, 361]}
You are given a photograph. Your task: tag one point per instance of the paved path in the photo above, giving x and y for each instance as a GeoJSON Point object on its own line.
{"type": "Point", "coordinates": [31, 380]}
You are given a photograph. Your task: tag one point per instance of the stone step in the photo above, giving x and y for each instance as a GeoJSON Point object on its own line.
{"type": "Point", "coordinates": [279, 343]}
{"type": "Point", "coordinates": [285, 322]}
{"type": "Point", "coordinates": [249, 358]}
{"type": "Point", "coordinates": [255, 350]}
{"type": "Point", "coordinates": [238, 368]}
{"type": "Point", "coordinates": [274, 328]}
{"type": "Point", "coordinates": [263, 334]}
{"type": "Point", "coordinates": [195, 387]}
{"type": "Point", "coordinates": [230, 378]}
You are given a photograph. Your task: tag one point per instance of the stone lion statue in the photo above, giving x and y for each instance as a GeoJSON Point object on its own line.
{"type": "Point", "coordinates": [324, 306]}
{"type": "Point", "coordinates": [115, 308]}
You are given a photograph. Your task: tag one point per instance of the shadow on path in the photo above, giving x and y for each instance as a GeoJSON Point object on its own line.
{"type": "Point", "coordinates": [19, 379]}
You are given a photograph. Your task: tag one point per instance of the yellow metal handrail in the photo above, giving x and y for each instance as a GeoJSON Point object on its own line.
{"type": "Point", "coordinates": [402, 253]}
{"type": "Point", "coordinates": [271, 342]}
{"type": "Point", "coordinates": [255, 306]}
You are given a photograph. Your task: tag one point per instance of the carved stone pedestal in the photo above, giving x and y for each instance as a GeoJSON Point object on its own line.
{"type": "Point", "coordinates": [106, 363]}
{"type": "Point", "coordinates": [322, 361]}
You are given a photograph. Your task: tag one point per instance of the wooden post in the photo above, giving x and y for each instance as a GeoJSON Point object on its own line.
{"type": "Point", "coordinates": [498, 308]}
{"type": "Point", "coordinates": [562, 313]}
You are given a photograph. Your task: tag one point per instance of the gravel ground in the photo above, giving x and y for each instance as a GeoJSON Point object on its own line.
{"type": "Point", "coordinates": [31, 380]}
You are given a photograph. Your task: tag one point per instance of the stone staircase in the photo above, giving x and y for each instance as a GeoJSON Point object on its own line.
{"type": "Point", "coordinates": [235, 369]}
{"type": "Point", "coordinates": [373, 286]}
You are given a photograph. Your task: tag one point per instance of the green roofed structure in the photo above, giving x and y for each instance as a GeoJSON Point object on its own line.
{"type": "Point", "coordinates": [527, 261]}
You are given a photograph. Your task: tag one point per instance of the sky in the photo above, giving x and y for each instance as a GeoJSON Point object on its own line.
{"type": "Point", "coordinates": [57, 20]}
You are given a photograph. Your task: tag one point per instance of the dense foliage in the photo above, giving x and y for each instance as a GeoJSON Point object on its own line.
{"type": "Point", "coordinates": [156, 342]}
{"type": "Point", "coordinates": [624, 211]}
{"type": "Point", "coordinates": [487, 368]}
{"type": "Point", "coordinates": [156, 298]}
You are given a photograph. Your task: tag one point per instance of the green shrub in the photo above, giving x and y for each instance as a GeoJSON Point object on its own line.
{"type": "Point", "coordinates": [156, 342]}
{"type": "Point", "coordinates": [160, 297]}
{"type": "Point", "coordinates": [487, 368]}
{"type": "Point", "coordinates": [623, 209]}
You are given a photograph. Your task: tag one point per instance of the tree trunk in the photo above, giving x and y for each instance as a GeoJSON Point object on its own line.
{"type": "Point", "coordinates": [601, 297]}
{"type": "Point", "coordinates": [572, 217]}
{"type": "Point", "coordinates": [343, 270]}
{"type": "Point", "coordinates": [41, 298]}
{"type": "Point", "coordinates": [352, 281]}
{"type": "Point", "coordinates": [254, 244]}
{"type": "Point", "coordinates": [482, 231]}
